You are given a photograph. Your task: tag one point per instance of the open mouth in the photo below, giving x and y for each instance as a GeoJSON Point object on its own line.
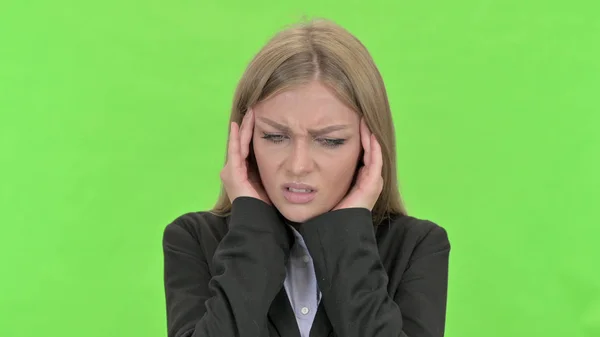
{"type": "Point", "coordinates": [299, 190]}
{"type": "Point", "coordinates": [299, 193]}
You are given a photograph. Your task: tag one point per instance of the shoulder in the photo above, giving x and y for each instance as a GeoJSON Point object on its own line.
{"type": "Point", "coordinates": [198, 228]}
{"type": "Point", "coordinates": [409, 234]}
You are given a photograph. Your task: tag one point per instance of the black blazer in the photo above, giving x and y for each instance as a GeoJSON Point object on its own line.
{"type": "Point", "coordinates": [224, 275]}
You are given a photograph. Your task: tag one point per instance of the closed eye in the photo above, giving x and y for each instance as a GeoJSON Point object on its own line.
{"type": "Point", "coordinates": [275, 138]}
{"type": "Point", "coordinates": [331, 142]}
{"type": "Point", "coordinates": [327, 142]}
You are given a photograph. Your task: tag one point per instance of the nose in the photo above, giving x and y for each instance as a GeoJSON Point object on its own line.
{"type": "Point", "coordinates": [300, 161]}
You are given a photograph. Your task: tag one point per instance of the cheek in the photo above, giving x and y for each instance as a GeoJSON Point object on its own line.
{"type": "Point", "coordinates": [265, 162]}
{"type": "Point", "coordinates": [260, 154]}
{"type": "Point", "coordinates": [340, 168]}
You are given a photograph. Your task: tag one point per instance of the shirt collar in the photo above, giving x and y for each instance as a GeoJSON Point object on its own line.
{"type": "Point", "coordinates": [298, 237]}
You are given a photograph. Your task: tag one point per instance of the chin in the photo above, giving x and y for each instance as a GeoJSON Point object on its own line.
{"type": "Point", "coordinates": [299, 213]}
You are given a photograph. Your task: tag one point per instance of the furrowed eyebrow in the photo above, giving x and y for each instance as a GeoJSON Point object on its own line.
{"type": "Point", "coordinates": [315, 133]}
{"type": "Point", "coordinates": [274, 124]}
{"type": "Point", "coordinates": [327, 130]}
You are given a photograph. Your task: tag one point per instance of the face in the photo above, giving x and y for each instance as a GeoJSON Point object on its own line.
{"type": "Point", "coordinates": [307, 146]}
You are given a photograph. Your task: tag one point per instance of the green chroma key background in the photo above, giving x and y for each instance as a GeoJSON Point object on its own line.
{"type": "Point", "coordinates": [113, 121]}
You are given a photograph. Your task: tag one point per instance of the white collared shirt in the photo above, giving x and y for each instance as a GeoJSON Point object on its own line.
{"type": "Point", "coordinates": [301, 285]}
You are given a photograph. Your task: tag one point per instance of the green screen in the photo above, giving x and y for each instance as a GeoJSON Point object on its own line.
{"type": "Point", "coordinates": [113, 122]}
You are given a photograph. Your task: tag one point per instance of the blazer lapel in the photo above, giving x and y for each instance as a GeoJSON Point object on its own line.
{"type": "Point", "coordinates": [321, 325]}
{"type": "Point", "coordinates": [282, 316]}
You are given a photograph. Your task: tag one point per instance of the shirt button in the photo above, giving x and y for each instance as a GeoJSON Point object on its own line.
{"type": "Point", "coordinates": [304, 310]}
{"type": "Point", "coordinates": [306, 258]}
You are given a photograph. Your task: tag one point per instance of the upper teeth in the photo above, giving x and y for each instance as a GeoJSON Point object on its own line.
{"type": "Point", "coordinates": [299, 190]}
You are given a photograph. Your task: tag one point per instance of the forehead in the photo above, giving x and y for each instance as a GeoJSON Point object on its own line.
{"type": "Point", "coordinates": [313, 103]}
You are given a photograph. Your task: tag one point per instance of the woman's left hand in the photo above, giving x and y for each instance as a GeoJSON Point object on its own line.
{"type": "Point", "coordinates": [369, 182]}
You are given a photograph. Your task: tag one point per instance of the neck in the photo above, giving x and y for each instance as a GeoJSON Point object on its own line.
{"type": "Point", "coordinates": [296, 225]}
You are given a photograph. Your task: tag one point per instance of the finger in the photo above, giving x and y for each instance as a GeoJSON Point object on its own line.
{"type": "Point", "coordinates": [376, 159]}
{"type": "Point", "coordinates": [246, 133]}
{"type": "Point", "coordinates": [233, 150]}
{"type": "Point", "coordinates": [365, 140]}
{"type": "Point", "coordinates": [242, 125]}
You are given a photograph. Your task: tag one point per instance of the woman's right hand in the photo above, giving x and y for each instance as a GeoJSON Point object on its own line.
{"type": "Point", "coordinates": [239, 180]}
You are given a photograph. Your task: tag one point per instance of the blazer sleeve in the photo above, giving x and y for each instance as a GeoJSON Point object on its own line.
{"type": "Point", "coordinates": [249, 270]}
{"type": "Point", "coordinates": [354, 282]}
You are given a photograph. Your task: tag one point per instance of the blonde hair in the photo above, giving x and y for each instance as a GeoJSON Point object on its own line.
{"type": "Point", "coordinates": [319, 49]}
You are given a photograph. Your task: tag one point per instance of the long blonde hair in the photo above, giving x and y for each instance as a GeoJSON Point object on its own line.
{"type": "Point", "coordinates": [320, 49]}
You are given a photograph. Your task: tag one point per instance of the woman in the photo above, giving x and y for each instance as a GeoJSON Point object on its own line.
{"type": "Point", "coordinates": [309, 236]}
